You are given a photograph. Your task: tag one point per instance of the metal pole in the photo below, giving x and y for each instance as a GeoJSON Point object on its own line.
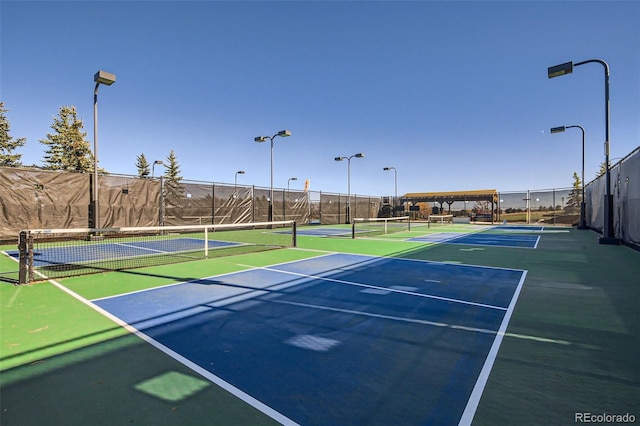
{"type": "Point", "coordinates": [95, 208]}
{"type": "Point", "coordinates": [395, 198]}
{"type": "Point", "coordinates": [348, 190]}
{"type": "Point", "coordinates": [583, 219]}
{"type": "Point", "coordinates": [271, 191]}
{"type": "Point", "coordinates": [583, 223]}
{"type": "Point", "coordinates": [608, 235]}
{"type": "Point", "coordinates": [554, 206]}
{"type": "Point", "coordinates": [161, 220]}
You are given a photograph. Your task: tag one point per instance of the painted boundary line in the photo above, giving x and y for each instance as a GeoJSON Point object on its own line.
{"type": "Point", "coordinates": [478, 243]}
{"type": "Point", "coordinates": [248, 399]}
{"type": "Point", "coordinates": [391, 290]}
{"type": "Point", "coordinates": [248, 268]}
{"type": "Point", "coordinates": [476, 394]}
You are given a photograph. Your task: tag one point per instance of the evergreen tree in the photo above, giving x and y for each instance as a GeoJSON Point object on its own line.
{"type": "Point", "coordinates": [7, 143]}
{"type": "Point", "coordinates": [173, 189]}
{"type": "Point", "coordinates": [67, 147]}
{"type": "Point", "coordinates": [143, 166]}
{"type": "Point", "coordinates": [172, 171]}
{"type": "Point", "coordinates": [575, 195]}
{"type": "Point", "coordinates": [603, 170]}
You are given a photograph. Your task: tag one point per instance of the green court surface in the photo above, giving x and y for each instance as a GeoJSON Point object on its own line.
{"type": "Point", "coordinates": [572, 344]}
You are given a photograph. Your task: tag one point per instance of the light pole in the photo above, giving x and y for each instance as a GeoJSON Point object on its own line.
{"type": "Point", "coordinates": [567, 68]}
{"type": "Point", "coordinates": [101, 77]}
{"type": "Point", "coordinates": [583, 219]}
{"type": "Point", "coordinates": [358, 155]}
{"type": "Point", "coordinates": [153, 166]}
{"type": "Point", "coordinates": [285, 197]}
{"type": "Point", "coordinates": [283, 134]}
{"type": "Point", "coordinates": [235, 181]}
{"type": "Point", "coordinates": [289, 180]}
{"type": "Point", "coordinates": [395, 197]}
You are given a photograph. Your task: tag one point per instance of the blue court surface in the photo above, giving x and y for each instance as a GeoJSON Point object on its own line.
{"type": "Point", "coordinates": [322, 232]}
{"type": "Point", "coordinates": [519, 228]}
{"type": "Point", "coordinates": [337, 339]}
{"type": "Point", "coordinates": [95, 252]}
{"type": "Point", "coordinates": [481, 239]}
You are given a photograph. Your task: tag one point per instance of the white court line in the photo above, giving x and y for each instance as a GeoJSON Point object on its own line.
{"type": "Point", "coordinates": [476, 394]}
{"type": "Point", "coordinates": [389, 317]}
{"type": "Point", "coordinates": [249, 268]}
{"type": "Point", "coordinates": [131, 245]}
{"type": "Point", "coordinates": [393, 290]}
{"type": "Point", "coordinates": [277, 416]}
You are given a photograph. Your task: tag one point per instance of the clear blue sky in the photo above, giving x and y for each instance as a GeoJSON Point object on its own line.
{"type": "Point", "coordinates": [454, 95]}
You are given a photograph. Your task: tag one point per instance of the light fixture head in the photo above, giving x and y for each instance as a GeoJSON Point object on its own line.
{"type": "Point", "coordinates": [103, 77]}
{"type": "Point", "coordinates": [339, 158]}
{"type": "Point", "coordinates": [158, 162]}
{"type": "Point", "coordinates": [558, 70]}
{"type": "Point", "coordinates": [558, 129]}
{"type": "Point", "coordinates": [284, 133]}
{"type": "Point", "coordinates": [359, 155]}
{"type": "Point", "coordinates": [240, 172]}
{"type": "Point", "coordinates": [260, 138]}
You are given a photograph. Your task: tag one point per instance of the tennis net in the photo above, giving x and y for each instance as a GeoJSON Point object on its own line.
{"type": "Point", "coordinates": [440, 219]}
{"type": "Point", "coordinates": [56, 253]}
{"type": "Point", "coordinates": [369, 227]}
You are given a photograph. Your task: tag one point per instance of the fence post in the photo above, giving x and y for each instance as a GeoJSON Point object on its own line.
{"type": "Point", "coordinates": [294, 232]}
{"type": "Point", "coordinates": [213, 203]}
{"type": "Point", "coordinates": [253, 203]}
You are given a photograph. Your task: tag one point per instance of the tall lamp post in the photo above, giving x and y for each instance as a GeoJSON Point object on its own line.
{"type": "Point", "coordinates": [395, 197]}
{"type": "Point", "coordinates": [583, 219]}
{"type": "Point", "coordinates": [101, 77]}
{"type": "Point", "coordinates": [283, 134]}
{"type": "Point", "coordinates": [153, 166]}
{"type": "Point", "coordinates": [284, 199]}
{"type": "Point", "coordinates": [358, 155]}
{"type": "Point", "coordinates": [289, 180]}
{"type": "Point", "coordinates": [235, 180]}
{"type": "Point", "coordinates": [567, 68]}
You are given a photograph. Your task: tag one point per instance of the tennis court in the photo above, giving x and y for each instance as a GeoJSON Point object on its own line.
{"type": "Point", "coordinates": [317, 316]}
{"type": "Point", "coordinates": [77, 254]}
{"type": "Point", "coordinates": [482, 239]}
{"type": "Point", "coordinates": [395, 329]}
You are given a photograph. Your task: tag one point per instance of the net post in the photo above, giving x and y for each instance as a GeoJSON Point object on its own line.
{"type": "Point", "coordinates": [206, 243]}
{"type": "Point", "coordinates": [353, 229]}
{"type": "Point", "coordinates": [23, 275]}
{"type": "Point", "coordinates": [294, 234]}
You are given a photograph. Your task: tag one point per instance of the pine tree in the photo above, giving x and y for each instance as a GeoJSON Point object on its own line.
{"type": "Point", "coordinates": [172, 175]}
{"type": "Point", "coordinates": [67, 147]}
{"type": "Point", "coordinates": [143, 166]}
{"type": "Point", "coordinates": [575, 195]}
{"type": "Point", "coordinates": [7, 143]}
{"type": "Point", "coordinates": [172, 172]}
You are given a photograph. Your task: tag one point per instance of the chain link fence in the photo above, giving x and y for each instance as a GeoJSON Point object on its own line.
{"type": "Point", "coordinates": [40, 199]}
